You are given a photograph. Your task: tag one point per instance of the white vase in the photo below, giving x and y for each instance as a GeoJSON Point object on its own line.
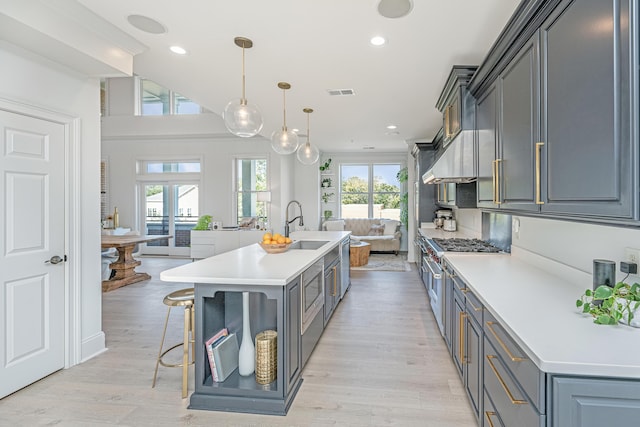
{"type": "Point", "coordinates": [247, 353]}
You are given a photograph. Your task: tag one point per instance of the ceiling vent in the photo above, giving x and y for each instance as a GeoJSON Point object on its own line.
{"type": "Point", "coordinates": [341, 92]}
{"type": "Point", "coordinates": [368, 147]}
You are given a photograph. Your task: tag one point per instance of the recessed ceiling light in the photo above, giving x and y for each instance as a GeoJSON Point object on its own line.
{"type": "Point", "coordinates": [295, 130]}
{"type": "Point", "coordinates": [146, 24]}
{"type": "Point", "coordinates": [179, 50]}
{"type": "Point", "coordinates": [378, 40]}
{"type": "Point", "coordinates": [392, 127]}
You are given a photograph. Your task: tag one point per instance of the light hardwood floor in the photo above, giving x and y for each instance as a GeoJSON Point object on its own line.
{"type": "Point", "coordinates": [380, 362]}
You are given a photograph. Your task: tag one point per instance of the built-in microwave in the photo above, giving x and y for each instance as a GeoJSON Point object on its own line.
{"type": "Point", "coordinates": [312, 295]}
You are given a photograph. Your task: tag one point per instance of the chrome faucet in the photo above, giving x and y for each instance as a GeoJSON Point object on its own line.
{"type": "Point", "coordinates": [287, 222]}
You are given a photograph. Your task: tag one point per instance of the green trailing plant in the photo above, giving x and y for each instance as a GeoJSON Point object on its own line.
{"type": "Point", "coordinates": [328, 214]}
{"type": "Point", "coordinates": [326, 182]}
{"type": "Point", "coordinates": [326, 197]}
{"type": "Point", "coordinates": [325, 166]}
{"type": "Point", "coordinates": [608, 305]}
{"type": "Point", "coordinates": [403, 177]}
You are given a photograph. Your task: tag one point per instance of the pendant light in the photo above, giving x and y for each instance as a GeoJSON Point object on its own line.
{"type": "Point", "coordinates": [307, 153]}
{"type": "Point", "coordinates": [241, 118]}
{"type": "Point", "coordinates": [284, 141]}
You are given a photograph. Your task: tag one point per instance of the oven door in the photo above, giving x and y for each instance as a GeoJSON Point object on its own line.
{"type": "Point", "coordinates": [312, 295]}
{"type": "Point", "coordinates": [434, 289]}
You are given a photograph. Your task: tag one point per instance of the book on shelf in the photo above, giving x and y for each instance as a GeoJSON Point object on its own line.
{"type": "Point", "coordinates": [225, 355]}
{"type": "Point", "coordinates": [209, 347]}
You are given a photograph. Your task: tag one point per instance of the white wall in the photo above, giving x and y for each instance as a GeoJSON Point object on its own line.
{"type": "Point", "coordinates": [27, 78]}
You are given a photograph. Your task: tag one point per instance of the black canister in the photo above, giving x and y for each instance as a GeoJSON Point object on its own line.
{"type": "Point", "coordinates": [604, 273]}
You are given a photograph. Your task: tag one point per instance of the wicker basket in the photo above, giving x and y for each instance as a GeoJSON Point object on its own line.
{"type": "Point", "coordinates": [266, 356]}
{"type": "Point", "coordinates": [275, 249]}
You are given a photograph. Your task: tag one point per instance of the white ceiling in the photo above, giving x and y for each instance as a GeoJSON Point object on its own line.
{"type": "Point", "coordinates": [317, 45]}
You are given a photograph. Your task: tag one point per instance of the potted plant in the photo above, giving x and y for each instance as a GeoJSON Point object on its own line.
{"type": "Point", "coordinates": [327, 214]}
{"type": "Point", "coordinates": [326, 182]}
{"type": "Point", "coordinates": [326, 197]}
{"type": "Point", "coordinates": [325, 166]}
{"type": "Point", "coordinates": [608, 305]}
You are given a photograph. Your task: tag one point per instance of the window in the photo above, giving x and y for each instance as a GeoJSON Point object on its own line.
{"type": "Point", "coordinates": [370, 191]}
{"type": "Point", "coordinates": [250, 177]}
{"type": "Point", "coordinates": [158, 101]}
{"type": "Point", "coordinates": [169, 196]}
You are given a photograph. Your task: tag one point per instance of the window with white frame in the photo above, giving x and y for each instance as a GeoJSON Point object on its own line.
{"type": "Point", "coordinates": [158, 101]}
{"type": "Point", "coordinates": [250, 180]}
{"type": "Point", "coordinates": [370, 190]}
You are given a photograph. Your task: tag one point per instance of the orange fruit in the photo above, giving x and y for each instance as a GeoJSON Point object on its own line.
{"type": "Point", "coordinates": [266, 237]}
{"type": "Point", "coordinates": [287, 240]}
{"type": "Point", "coordinates": [281, 239]}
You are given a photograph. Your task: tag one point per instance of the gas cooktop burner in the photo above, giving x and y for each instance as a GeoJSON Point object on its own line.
{"type": "Point", "coordinates": [465, 245]}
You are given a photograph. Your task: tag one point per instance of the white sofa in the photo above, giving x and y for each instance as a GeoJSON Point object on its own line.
{"type": "Point", "coordinates": [382, 234]}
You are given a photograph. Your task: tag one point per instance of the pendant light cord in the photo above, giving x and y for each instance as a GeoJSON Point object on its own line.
{"type": "Point", "coordinates": [284, 110]}
{"type": "Point", "coordinates": [243, 101]}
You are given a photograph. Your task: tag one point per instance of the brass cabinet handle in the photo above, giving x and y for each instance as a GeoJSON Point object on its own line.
{"type": "Point", "coordinates": [463, 290]}
{"type": "Point", "coordinates": [504, 385]}
{"type": "Point", "coordinates": [447, 132]}
{"type": "Point", "coordinates": [461, 338]}
{"type": "Point", "coordinates": [498, 198]}
{"type": "Point", "coordinates": [503, 345]}
{"type": "Point", "coordinates": [493, 177]}
{"type": "Point", "coordinates": [445, 198]}
{"type": "Point", "coordinates": [539, 146]}
{"type": "Point", "coordinates": [335, 280]}
{"type": "Point", "coordinates": [473, 306]}
{"type": "Point", "coordinates": [438, 196]}
{"type": "Point", "coordinates": [490, 414]}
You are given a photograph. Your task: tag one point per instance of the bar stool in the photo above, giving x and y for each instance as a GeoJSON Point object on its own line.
{"type": "Point", "coordinates": [185, 298]}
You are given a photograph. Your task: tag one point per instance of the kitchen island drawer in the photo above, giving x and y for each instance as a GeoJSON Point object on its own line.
{"type": "Point", "coordinates": [520, 366]}
{"type": "Point", "coordinates": [474, 307]}
{"type": "Point", "coordinates": [508, 399]}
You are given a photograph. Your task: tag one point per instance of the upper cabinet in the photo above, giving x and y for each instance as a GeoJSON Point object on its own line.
{"type": "Point", "coordinates": [557, 121]}
{"type": "Point", "coordinates": [455, 103]}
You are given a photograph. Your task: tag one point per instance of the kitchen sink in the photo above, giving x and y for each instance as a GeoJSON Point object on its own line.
{"type": "Point", "coordinates": [308, 244]}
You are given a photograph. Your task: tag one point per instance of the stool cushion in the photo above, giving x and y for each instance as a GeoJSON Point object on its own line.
{"type": "Point", "coordinates": [180, 297]}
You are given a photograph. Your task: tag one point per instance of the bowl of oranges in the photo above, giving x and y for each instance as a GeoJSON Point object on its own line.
{"type": "Point", "coordinates": [275, 243]}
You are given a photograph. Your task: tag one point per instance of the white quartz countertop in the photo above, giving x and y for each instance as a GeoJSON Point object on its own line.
{"type": "Point", "coordinates": [251, 265]}
{"type": "Point", "coordinates": [538, 309]}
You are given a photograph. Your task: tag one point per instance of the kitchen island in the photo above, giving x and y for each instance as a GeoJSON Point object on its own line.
{"type": "Point", "coordinates": [275, 293]}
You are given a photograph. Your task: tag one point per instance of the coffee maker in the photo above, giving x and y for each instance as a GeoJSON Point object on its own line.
{"type": "Point", "coordinates": [441, 216]}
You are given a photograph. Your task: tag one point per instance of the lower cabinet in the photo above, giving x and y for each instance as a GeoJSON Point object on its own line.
{"type": "Point", "coordinates": [292, 339]}
{"type": "Point", "coordinates": [331, 290]}
{"type": "Point", "coordinates": [467, 342]}
{"type": "Point", "coordinates": [594, 402]}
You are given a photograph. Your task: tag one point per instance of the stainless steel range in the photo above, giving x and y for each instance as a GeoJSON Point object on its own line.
{"type": "Point", "coordinates": [436, 248]}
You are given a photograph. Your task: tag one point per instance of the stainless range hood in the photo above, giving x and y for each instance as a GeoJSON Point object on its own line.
{"type": "Point", "coordinates": [456, 164]}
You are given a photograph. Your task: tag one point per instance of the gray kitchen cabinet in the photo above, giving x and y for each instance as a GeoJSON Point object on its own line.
{"type": "Point", "coordinates": [467, 342]}
{"type": "Point", "coordinates": [345, 274]}
{"type": "Point", "coordinates": [594, 402]}
{"type": "Point", "coordinates": [332, 283]}
{"type": "Point", "coordinates": [566, 98]}
{"type": "Point", "coordinates": [292, 341]}
{"type": "Point", "coordinates": [589, 109]}
{"type": "Point", "coordinates": [487, 140]}
{"type": "Point", "coordinates": [448, 308]}
{"type": "Point", "coordinates": [456, 104]}
{"type": "Point", "coordinates": [519, 130]}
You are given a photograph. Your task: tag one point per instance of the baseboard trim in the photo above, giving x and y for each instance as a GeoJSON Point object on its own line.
{"type": "Point", "coordinates": [93, 346]}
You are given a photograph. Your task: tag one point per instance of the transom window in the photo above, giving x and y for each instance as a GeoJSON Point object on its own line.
{"type": "Point", "coordinates": [172, 167]}
{"type": "Point", "coordinates": [370, 191]}
{"type": "Point", "coordinates": [158, 101]}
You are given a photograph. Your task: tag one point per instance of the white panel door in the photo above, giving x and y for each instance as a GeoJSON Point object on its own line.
{"type": "Point", "coordinates": [32, 217]}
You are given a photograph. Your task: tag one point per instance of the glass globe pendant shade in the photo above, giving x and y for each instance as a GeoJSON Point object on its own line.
{"type": "Point", "coordinates": [242, 119]}
{"type": "Point", "coordinates": [308, 154]}
{"type": "Point", "coordinates": [284, 141]}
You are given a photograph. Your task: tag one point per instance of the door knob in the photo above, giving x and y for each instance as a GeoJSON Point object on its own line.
{"type": "Point", "coordinates": [55, 260]}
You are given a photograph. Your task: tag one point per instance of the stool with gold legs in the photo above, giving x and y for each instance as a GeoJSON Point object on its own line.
{"type": "Point", "coordinates": [186, 299]}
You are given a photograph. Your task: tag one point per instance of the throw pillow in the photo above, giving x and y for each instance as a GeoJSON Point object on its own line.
{"type": "Point", "coordinates": [376, 230]}
{"type": "Point", "coordinates": [390, 226]}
